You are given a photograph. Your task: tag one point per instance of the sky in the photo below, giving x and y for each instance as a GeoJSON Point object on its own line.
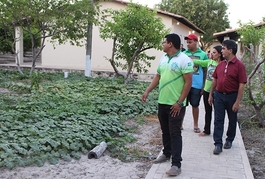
{"type": "Point", "coordinates": [244, 10]}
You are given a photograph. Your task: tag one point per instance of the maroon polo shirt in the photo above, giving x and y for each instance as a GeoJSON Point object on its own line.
{"type": "Point", "coordinates": [229, 75]}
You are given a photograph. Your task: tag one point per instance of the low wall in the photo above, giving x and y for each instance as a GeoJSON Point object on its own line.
{"type": "Point", "coordinates": [108, 74]}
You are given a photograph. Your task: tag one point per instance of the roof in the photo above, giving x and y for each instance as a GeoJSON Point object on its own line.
{"type": "Point", "coordinates": [232, 33]}
{"type": "Point", "coordinates": [179, 18]}
{"type": "Point", "coordinates": [183, 20]}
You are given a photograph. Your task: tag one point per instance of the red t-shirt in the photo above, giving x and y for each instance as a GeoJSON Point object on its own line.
{"type": "Point", "coordinates": [229, 75]}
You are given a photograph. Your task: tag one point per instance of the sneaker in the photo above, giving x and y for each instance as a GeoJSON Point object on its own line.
{"type": "Point", "coordinates": [228, 145]}
{"type": "Point", "coordinates": [174, 171]}
{"type": "Point", "coordinates": [161, 159]}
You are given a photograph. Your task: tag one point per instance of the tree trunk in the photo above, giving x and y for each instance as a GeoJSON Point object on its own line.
{"type": "Point", "coordinates": [112, 62]}
{"type": "Point", "coordinates": [35, 57]}
{"type": "Point", "coordinates": [254, 102]}
{"type": "Point", "coordinates": [130, 65]}
{"type": "Point", "coordinates": [18, 65]}
{"type": "Point", "coordinates": [260, 117]}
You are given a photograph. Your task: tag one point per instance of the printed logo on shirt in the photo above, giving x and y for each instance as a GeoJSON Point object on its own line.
{"type": "Point", "coordinates": [210, 71]}
{"type": "Point", "coordinates": [174, 66]}
{"type": "Point", "coordinates": [195, 67]}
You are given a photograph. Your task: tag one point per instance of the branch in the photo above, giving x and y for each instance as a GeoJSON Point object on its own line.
{"type": "Point", "coordinates": [112, 58]}
{"type": "Point", "coordinates": [261, 104]}
{"type": "Point", "coordinates": [253, 56]}
{"type": "Point", "coordinates": [253, 72]}
{"type": "Point", "coordinates": [42, 47]}
{"type": "Point", "coordinates": [146, 49]}
{"type": "Point", "coordinates": [250, 94]}
{"type": "Point", "coordinates": [244, 53]}
{"type": "Point", "coordinates": [133, 59]}
{"type": "Point", "coordinates": [256, 67]}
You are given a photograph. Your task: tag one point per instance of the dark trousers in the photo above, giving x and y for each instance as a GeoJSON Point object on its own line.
{"type": "Point", "coordinates": [222, 103]}
{"type": "Point", "coordinates": [208, 113]}
{"type": "Point", "coordinates": [171, 133]}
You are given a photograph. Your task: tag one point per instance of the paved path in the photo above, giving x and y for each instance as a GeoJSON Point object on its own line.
{"type": "Point", "coordinates": [199, 162]}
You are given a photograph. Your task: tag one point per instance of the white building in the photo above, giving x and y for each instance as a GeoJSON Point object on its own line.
{"type": "Point", "coordinates": [73, 57]}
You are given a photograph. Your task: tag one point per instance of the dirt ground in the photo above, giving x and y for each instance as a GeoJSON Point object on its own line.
{"type": "Point", "coordinates": [254, 140]}
{"type": "Point", "coordinates": [148, 144]}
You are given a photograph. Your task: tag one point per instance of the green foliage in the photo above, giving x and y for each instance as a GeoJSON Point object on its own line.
{"type": "Point", "coordinates": [60, 20]}
{"type": "Point", "coordinates": [6, 38]}
{"type": "Point", "coordinates": [42, 18]}
{"type": "Point", "coordinates": [35, 80]}
{"type": "Point", "coordinates": [134, 30]}
{"type": "Point", "coordinates": [208, 15]}
{"type": "Point", "coordinates": [63, 118]}
{"type": "Point", "coordinates": [7, 41]}
{"type": "Point", "coordinates": [253, 37]}
{"type": "Point", "coordinates": [251, 34]}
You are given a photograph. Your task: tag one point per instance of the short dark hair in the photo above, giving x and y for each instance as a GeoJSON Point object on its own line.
{"type": "Point", "coordinates": [174, 39]}
{"type": "Point", "coordinates": [230, 44]}
{"type": "Point", "coordinates": [218, 48]}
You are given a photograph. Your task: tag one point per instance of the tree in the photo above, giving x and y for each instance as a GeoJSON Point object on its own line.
{"type": "Point", "coordinates": [133, 31]}
{"type": "Point", "coordinates": [209, 15]}
{"type": "Point", "coordinates": [7, 39]}
{"type": "Point", "coordinates": [60, 20]}
{"type": "Point", "coordinates": [252, 37]}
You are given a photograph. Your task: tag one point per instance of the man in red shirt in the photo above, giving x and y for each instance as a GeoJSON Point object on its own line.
{"type": "Point", "coordinates": [228, 84]}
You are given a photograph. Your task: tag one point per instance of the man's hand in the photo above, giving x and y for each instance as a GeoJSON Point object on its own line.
{"type": "Point", "coordinates": [235, 107]}
{"type": "Point", "coordinates": [210, 100]}
{"type": "Point", "coordinates": [201, 92]}
{"type": "Point", "coordinates": [175, 110]}
{"type": "Point", "coordinates": [144, 97]}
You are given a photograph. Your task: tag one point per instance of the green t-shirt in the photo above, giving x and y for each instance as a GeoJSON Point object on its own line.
{"type": "Point", "coordinates": [171, 70]}
{"type": "Point", "coordinates": [211, 65]}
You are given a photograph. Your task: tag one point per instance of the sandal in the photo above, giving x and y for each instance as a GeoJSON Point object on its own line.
{"type": "Point", "coordinates": [196, 130]}
{"type": "Point", "coordinates": [203, 134]}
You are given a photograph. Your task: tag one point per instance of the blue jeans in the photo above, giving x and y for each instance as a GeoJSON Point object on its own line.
{"type": "Point", "coordinates": [222, 103]}
{"type": "Point", "coordinates": [171, 133]}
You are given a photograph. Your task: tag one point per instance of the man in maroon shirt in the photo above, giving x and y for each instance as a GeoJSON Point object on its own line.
{"type": "Point", "coordinates": [228, 84]}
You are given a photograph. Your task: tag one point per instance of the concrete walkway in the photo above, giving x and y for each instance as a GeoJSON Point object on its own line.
{"type": "Point", "coordinates": [199, 162]}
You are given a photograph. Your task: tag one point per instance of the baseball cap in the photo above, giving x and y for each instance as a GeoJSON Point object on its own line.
{"type": "Point", "coordinates": [191, 37]}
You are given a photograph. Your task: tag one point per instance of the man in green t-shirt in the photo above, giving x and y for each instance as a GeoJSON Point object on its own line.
{"type": "Point", "coordinates": [198, 78]}
{"type": "Point", "coordinates": [174, 77]}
